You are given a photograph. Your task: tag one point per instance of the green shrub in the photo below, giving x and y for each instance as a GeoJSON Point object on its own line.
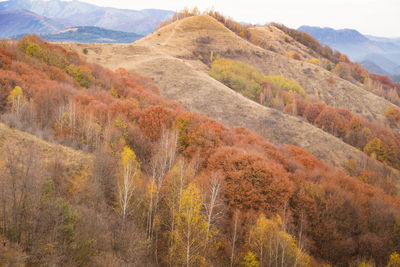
{"type": "Point", "coordinates": [239, 76]}
{"type": "Point", "coordinates": [275, 91]}
{"type": "Point", "coordinates": [286, 84]}
{"type": "Point", "coordinates": [82, 74]}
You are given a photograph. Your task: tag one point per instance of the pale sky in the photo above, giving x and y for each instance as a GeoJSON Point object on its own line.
{"type": "Point", "coordinates": [376, 17]}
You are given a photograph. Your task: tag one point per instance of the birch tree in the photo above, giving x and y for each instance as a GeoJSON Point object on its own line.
{"type": "Point", "coordinates": [275, 247]}
{"type": "Point", "coordinates": [127, 182]}
{"type": "Point", "coordinates": [190, 230]}
{"type": "Point", "coordinates": [213, 203]}
{"type": "Point", "coordinates": [17, 101]}
{"type": "Point", "coordinates": [162, 161]}
{"type": "Point", "coordinates": [234, 236]}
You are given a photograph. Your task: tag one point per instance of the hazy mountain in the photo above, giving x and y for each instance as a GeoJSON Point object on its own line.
{"type": "Point", "coordinates": [383, 52]}
{"type": "Point", "coordinates": [84, 14]}
{"type": "Point", "coordinates": [329, 35]}
{"type": "Point", "coordinates": [383, 62]}
{"type": "Point", "coordinates": [91, 34]}
{"type": "Point", "coordinates": [22, 21]}
{"type": "Point", "coordinates": [383, 39]}
{"type": "Point", "coordinates": [372, 67]}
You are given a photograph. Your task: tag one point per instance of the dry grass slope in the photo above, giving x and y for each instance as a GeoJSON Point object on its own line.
{"type": "Point", "coordinates": [167, 57]}
{"type": "Point", "coordinates": [76, 164]}
{"type": "Point", "coordinates": [274, 39]}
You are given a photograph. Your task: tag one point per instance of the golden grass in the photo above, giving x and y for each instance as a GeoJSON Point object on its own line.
{"type": "Point", "coordinates": [77, 163]}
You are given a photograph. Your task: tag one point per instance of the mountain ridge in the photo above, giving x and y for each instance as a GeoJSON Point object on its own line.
{"type": "Point", "coordinates": [76, 13]}
{"type": "Point", "coordinates": [90, 34]}
{"type": "Point", "coordinates": [360, 47]}
{"type": "Point", "coordinates": [22, 21]}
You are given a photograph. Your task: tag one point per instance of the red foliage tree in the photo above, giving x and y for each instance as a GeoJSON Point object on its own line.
{"type": "Point", "coordinates": [312, 111]}
{"type": "Point", "coordinates": [155, 119]}
{"type": "Point", "coordinates": [330, 120]}
{"type": "Point", "coordinates": [251, 181]}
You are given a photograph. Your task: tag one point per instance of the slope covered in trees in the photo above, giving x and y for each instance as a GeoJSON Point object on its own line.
{"type": "Point", "coordinates": [287, 95]}
{"type": "Point", "coordinates": [166, 186]}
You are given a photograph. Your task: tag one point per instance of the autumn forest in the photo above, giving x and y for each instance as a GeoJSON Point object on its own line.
{"type": "Point", "coordinates": [153, 184]}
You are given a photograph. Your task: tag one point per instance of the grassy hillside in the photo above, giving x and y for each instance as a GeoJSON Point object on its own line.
{"type": "Point", "coordinates": [168, 186]}
{"type": "Point", "coordinates": [177, 47]}
{"type": "Point", "coordinates": [190, 32]}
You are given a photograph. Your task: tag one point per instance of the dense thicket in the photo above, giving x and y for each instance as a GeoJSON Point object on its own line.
{"type": "Point", "coordinates": [373, 139]}
{"type": "Point", "coordinates": [167, 186]}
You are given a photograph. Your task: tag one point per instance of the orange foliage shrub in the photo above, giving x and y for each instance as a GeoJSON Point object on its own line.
{"type": "Point", "coordinates": [251, 181]}
{"type": "Point", "coordinates": [331, 121]}
{"type": "Point", "coordinates": [5, 58]}
{"type": "Point", "coordinates": [312, 111]}
{"type": "Point", "coordinates": [386, 81]}
{"type": "Point", "coordinates": [393, 114]}
{"type": "Point", "coordinates": [154, 120]}
{"type": "Point", "coordinates": [303, 157]}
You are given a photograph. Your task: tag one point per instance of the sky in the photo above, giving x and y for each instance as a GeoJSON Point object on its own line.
{"type": "Point", "coordinates": [375, 17]}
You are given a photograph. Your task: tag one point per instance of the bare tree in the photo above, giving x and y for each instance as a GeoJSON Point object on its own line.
{"type": "Point", "coordinates": [162, 162]}
{"type": "Point", "coordinates": [20, 178]}
{"type": "Point", "coordinates": [127, 184]}
{"type": "Point", "coordinates": [213, 204]}
{"type": "Point", "coordinates": [234, 236]}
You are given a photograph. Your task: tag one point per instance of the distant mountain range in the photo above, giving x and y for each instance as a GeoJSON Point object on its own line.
{"type": "Point", "coordinates": [377, 54]}
{"type": "Point", "coordinates": [41, 16]}
{"type": "Point", "coordinates": [90, 34]}
{"type": "Point", "coordinates": [21, 21]}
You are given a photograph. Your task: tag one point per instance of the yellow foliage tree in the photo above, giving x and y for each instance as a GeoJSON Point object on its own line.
{"type": "Point", "coordinates": [375, 149]}
{"type": "Point", "coordinates": [286, 84]}
{"type": "Point", "coordinates": [128, 181]}
{"type": "Point", "coordinates": [17, 101]}
{"type": "Point", "coordinates": [273, 246]}
{"type": "Point", "coordinates": [82, 74]}
{"type": "Point", "coordinates": [189, 236]}
{"type": "Point", "coordinates": [250, 260]}
{"type": "Point", "coordinates": [239, 76]}
{"type": "Point", "coordinates": [394, 260]}
{"type": "Point", "coordinates": [314, 61]}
